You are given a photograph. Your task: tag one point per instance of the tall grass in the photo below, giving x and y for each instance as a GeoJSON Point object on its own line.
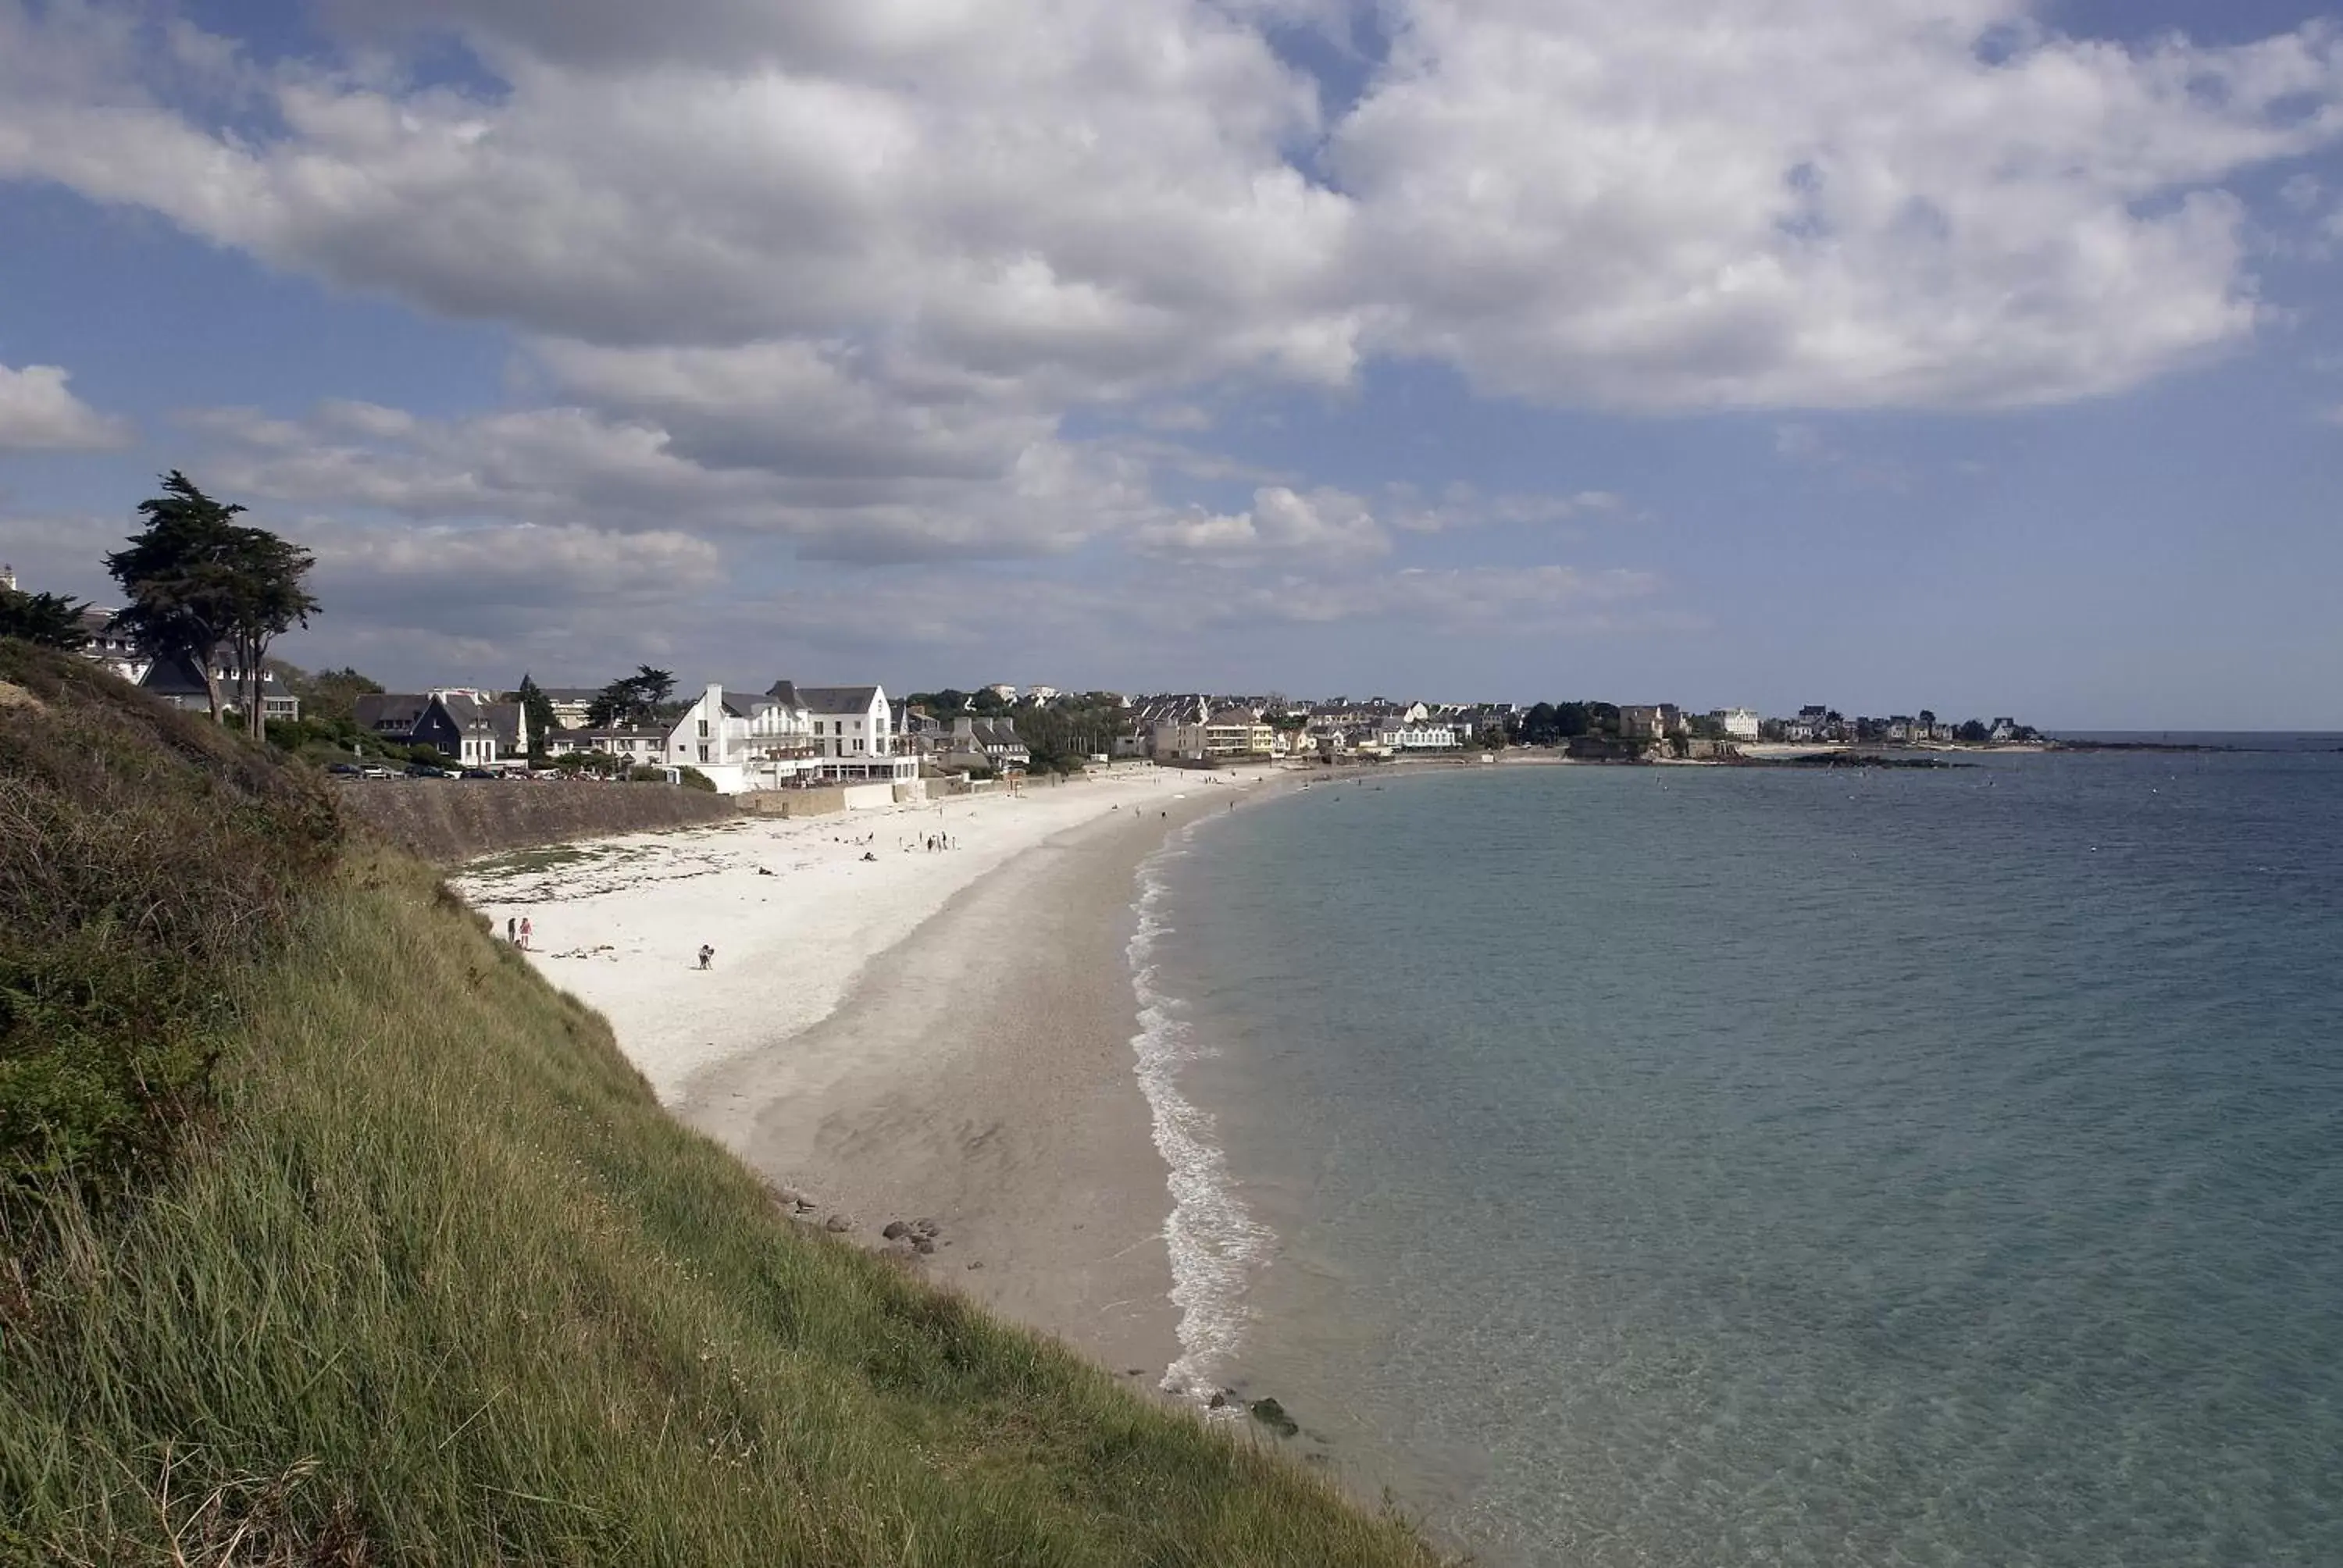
{"type": "Point", "coordinates": [444, 1284]}
{"type": "Point", "coordinates": [146, 859]}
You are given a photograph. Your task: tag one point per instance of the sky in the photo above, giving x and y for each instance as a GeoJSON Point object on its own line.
{"type": "Point", "coordinates": [1975, 355]}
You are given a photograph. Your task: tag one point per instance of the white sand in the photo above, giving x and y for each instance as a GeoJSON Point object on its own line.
{"type": "Point", "coordinates": [618, 921]}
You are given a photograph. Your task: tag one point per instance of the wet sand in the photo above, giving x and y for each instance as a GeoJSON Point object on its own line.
{"type": "Point", "coordinates": [980, 1075]}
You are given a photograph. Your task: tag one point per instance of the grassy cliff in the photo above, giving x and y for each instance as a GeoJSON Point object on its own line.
{"type": "Point", "coordinates": [388, 1256]}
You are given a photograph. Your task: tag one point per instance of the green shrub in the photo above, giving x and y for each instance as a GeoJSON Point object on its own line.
{"type": "Point", "coordinates": [146, 858]}
{"type": "Point", "coordinates": [693, 779]}
{"type": "Point", "coordinates": [444, 1282]}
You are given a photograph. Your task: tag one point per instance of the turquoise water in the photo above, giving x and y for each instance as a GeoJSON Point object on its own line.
{"type": "Point", "coordinates": [1707, 1166]}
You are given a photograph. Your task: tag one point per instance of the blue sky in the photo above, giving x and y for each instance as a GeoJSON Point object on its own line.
{"type": "Point", "coordinates": [1961, 354]}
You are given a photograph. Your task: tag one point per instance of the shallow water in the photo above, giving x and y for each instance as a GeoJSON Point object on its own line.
{"type": "Point", "coordinates": [1702, 1166]}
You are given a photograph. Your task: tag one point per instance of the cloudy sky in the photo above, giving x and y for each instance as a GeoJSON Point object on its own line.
{"type": "Point", "coordinates": [1976, 354]}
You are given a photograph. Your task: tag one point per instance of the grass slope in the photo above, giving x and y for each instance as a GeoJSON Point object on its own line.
{"type": "Point", "coordinates": [436, 1280]}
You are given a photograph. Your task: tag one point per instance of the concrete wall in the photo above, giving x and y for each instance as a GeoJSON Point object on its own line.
{"type": "Point", "coordinates": [820, 802]}
{"type": "Point", "coordinates": [451, 819]}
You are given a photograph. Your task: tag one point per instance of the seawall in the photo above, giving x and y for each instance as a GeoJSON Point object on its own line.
{"type": "Point", "coordinates": [449, 819]}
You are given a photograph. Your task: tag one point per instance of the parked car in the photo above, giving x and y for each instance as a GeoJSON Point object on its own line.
{"type": "Point", "coordinates": [347, 769]}
{"type": "Point", "coordinates": [425, 770]}
{"type": "Point", "coordinates": [476, 773]}
{"type": "Point", "coordinates": [376, 770]}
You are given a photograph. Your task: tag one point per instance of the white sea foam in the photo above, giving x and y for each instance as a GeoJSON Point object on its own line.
{"type": "Point", "coordinates": [1216, 1244]}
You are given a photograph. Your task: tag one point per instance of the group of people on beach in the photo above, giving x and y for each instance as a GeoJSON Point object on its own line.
{"type": "Point", "coordinates": [517, 931]}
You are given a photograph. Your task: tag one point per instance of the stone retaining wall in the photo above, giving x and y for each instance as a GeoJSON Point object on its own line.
{"type": "Point", "coordinates": [447, 821]}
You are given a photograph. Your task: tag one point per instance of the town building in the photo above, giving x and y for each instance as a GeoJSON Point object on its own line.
{"type": "Point", "coordinates": [1737, 723]}
{"type": "Point", "coordinates": [853, 733]}
{"type": "Point", "coordinates": [1646, 722]}
{"type": "Point", "coordinates": [570, 704]}
{"type": "Point", "coordinates": [180, 682]}
{"type": "Point", "coordinates": [1237, 734]}
{"type": "Point", "coordinates": [984, 743]}
{"type": "Point", "coordinates": [1401, 735]}
{"type": "Point", "coordinates": [111, 646]}
{"type": "Point", "coordinates": [455, 723]}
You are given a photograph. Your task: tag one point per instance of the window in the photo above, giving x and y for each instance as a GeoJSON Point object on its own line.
{"type": "Point", "coordinates": [857, 746]}
{"type": "Point", "coordinates": [817, 727]}
{"type": "Point", "coordinates": [703, 735]}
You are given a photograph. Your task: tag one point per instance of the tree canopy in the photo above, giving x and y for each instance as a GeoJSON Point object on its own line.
{"type": "Point", "coordinates": [1550, 723]}
{"type": "Point", "coordinates": [537, 709]}
{"type": "Point", "coordinates": [200, 583]}
{"type": "Point", "coordinates": [632, 700]}
{"type": "Point", "coordinates": [329, 696]}
{"type": "Point", "coordinates": [52, 621]}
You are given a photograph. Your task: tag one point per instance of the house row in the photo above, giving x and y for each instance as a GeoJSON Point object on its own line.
{"type": "Point", "coordinates": [468, 727]}
{"type": "Point", "coordinates": [180, 681]}
{"type": "Point", "coordinates": [1196, 729]}
{"type": "Point", "coordinates": [1816, 723]}
{"type": "Point", "coordinates": [972, 744]}
{"type": "Point", "coordinates": [787, 736]}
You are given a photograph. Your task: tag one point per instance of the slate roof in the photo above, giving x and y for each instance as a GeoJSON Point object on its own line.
{"type": "Point", "coordinates": [384, 710]}
{"type": "Point", "coordinates": [506, 718]}
{"type": "Point", "coordinates": [830, 700]}
{"type": "Point", "coordinates": [175, 676]}
{"type": "Point", "coordinates": [181, 676]}
{"type": "Point", "coordinates": [467, 714]}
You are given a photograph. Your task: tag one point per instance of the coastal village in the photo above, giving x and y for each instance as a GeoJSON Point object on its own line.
{"type": "Point", "coordinates": [785, 736]}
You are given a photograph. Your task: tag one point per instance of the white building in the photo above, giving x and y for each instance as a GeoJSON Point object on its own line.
{"type": "Point", "coordinates": [854, 734]}
{"type": "Point", "coordinates": [789, 736]}
{"type": "Point", "coordinates": [1738, 723]}
{"type": "Point", "coordinates": [1398, 734]}
{"type": "Point", "coordinates": [111, 646]}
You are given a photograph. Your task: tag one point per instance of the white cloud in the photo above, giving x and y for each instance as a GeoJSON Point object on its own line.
{"type": "Point", "coordinates": [1326, 526]}
{"type": "Point", "coordinates": [39, 413]}
{"type": "Point", "coordinates": [439, 600]}
{"type": "Point", "coordinates": [464, 570]}
{"type": "Point", "coordinates": [1813, 203]}
{"type": "Point", "coordinates": [1462, 506]}
{"type": "Point", "coordinates": [565, 464]}
{"type": "Point", "coordinates": [1684, 203]}
{"type": "Point", "coordinates": [910, 280]}
{"type": "Point", "coordinates": [1090, 200]}
{"type": "Point", "coordinates": [1488, 600]}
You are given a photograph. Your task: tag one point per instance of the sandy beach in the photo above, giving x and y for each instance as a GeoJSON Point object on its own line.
{"type": "Point", "coordinates": [898, 1033]}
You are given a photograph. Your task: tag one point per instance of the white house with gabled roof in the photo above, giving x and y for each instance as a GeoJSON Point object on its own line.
{"type": "Point", "coordinates": [854, 735]}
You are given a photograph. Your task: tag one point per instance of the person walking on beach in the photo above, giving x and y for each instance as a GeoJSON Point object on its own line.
{"type": "Point", "coordinates": [512, 929]}
{"type": "Point", "coordinates": [524, 933]}
{"type": "Point", "coordinates": [706, 953]}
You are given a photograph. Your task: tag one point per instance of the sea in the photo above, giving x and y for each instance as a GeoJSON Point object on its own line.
{"type": "Point", "coordinates": [1659, 1165]}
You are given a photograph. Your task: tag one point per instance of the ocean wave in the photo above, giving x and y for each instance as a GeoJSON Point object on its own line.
{"type": "Point", "coordinates": [1215, 1242]}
